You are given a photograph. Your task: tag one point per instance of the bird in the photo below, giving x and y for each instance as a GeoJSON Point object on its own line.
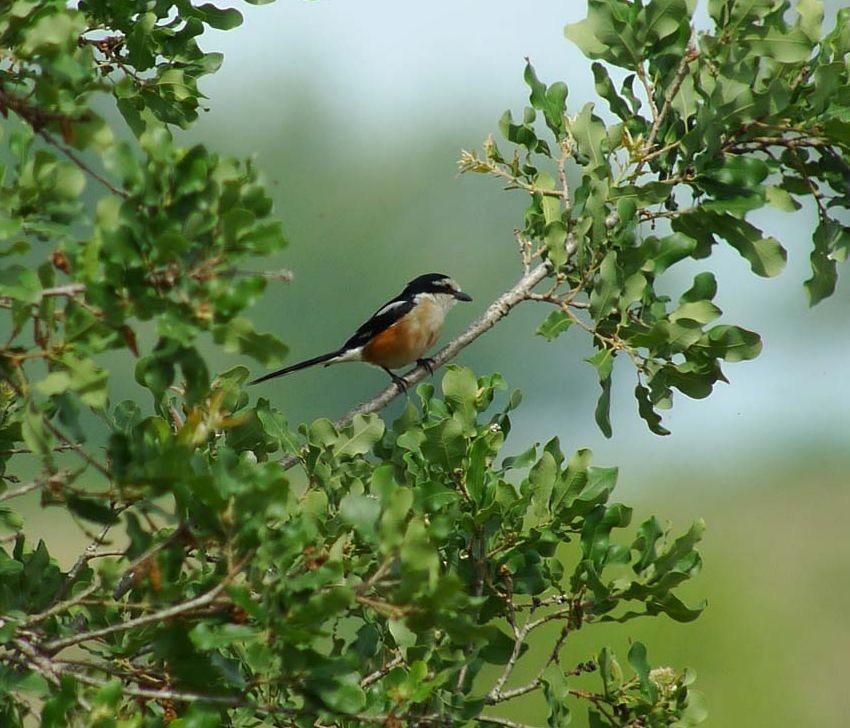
{"type": "Point", "coordinates": [398, 333]}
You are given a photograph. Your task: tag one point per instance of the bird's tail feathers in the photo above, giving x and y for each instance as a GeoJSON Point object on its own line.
{"type": "Point", "coordinates": [323, 359]}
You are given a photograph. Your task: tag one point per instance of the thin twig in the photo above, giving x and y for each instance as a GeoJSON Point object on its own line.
{"type": "Point", "coordinates": [284, 275]}
{"type": "Point", "coordinates": [497, 694]}
{"type": "Point", "coordinates": [128, 578]}
{"type": "Point", "coordinates": [27, 451]}
{"type": "Point", "coordinates": [689, 55]}
{"type": "Point", "coordinates": [493, 720]}
{"type": "Point", "coordinates": [44, 666]}
{"type": "Point", "coordinates": [77, 448]}
{"type": "Point", "coordinates": [59, 605]}
{"type": "Point", "coordinates": [381, 671]}
{"type": "Point", "coordinates": [22, 490]}
{"type": "Point", "coordinates": [208, 597]}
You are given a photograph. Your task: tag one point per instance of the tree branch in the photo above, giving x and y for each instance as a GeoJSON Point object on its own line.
{"type": "Point", "coordinates": [493, 720]}
{"type": "Point", "coordinates": [497, 694]}
{"type": "Point", "coordinates": [208, 597]}
{"type": "Point", "coordinates": [496, 311]}
{"type": "Point", "coordinates": [380, 672]}
{"type": "Point", "coordinates": [689, 55]}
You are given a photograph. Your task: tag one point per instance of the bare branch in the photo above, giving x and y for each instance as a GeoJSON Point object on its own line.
{"type": "Point", "coordinates": [204, 599]}
{"type": "Point", "coordinates": [493, 720]}
{"type": "Point", "coordinates": [59, 605]}
{"type": "Point", "coordinates": [21, 490]}
{"type": "Point", "coordinates": [497, 310]}
{"type": "Point", "coordinates": [381, 671]}
{"type": "Point", "coordinates": [497, 694]}
{"type": "Point", "coordinates": [284, 275]}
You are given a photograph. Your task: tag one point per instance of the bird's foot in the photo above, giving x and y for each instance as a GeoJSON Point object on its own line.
{"type": "Point", "coordinates": [427, 363]}
{"type": "Point", "coordinates": [400, 382]}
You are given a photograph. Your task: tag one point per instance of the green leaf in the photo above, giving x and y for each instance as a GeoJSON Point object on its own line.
{"type": "Point", "coordinates": [765, 255]}
{"type": "Point", "coordinates": [682, 555]}
{"type": "Point", "coordinates": [591, 139]}
{"type": "Point", "coordinates": [69, 181]}
{"type": "Point", "coordinates": [20, 283]}
{"type": "Point", "coordinates": [551, 101]}
{"type": "Point", "coordinates": [609, 32]}
{"type": "Point", "coordinates": [666, 17]}
{"type": "Point", "coordinates": [606, 288]}
{"type": "Point", "coordinates": [811, 18]}
{"type": "Point", "coordinates": [35, 435]}
{"type": "Point", "coordinates": [605, 88]}
{"type": "Point", "coordinates": [362, 512]}
{"type": "Point", "coordinates": [737, 171]}
{"type": "Point", "coordinates": [221, 19]}
{"type": "Point", "coordinates": [700, 311]}
{"type": "Point", "coordinates": [556, 323]}
{"type": "Point", "coordinates": [275, 427]}
{"type": "Point", "coordinates": [460, 388]}
{"type": "Point", "coordinates": [109, 696]}
{"type": "Point", "coordinates": [88, 381]}
{"type": "Point", "coordinates": [649, 193]}
{"type": "Point", "coordinates": [556, 692]}
{"type": "Point", "coordinates": [638, 660]}
{"type": "Point", "coordinates": [343, 694]}
{"type": "Point", "coordinates": [445, 443]}
{"type": "Point", "coordinates": [791, 47]}
{"type": "Point", "coordinates": [360, 436]}
{"type": "Point", "coordinates": [704, 288]}
{"type": "Point", "coordinates": [831, 244]}
{"type": "Point", "coordinates": [238, 335]}
{"type": "Point", "coordinates": [780, 199]}
{"type": "Point", "coordinates": [541, 481]}
{"type": "Point", "coordinates": [92, 510]}
{"type": "Point", "coordinates": [53, 31]}
{"type": "Point", "coordinates": [207, 636]}
{"type": "Point", "coordinates": [647, 411]}
{"type": "Point", "coordinates": [603, 361]}
{"type": "Point", "coordinates": [667, 251]}
{"type": "Point", "coordinates": [731, 343]}
{"type": "Point", "coordinates": [582, 35]}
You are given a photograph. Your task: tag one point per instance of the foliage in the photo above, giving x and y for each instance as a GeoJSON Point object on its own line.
{"type": "Point", "coordinates": [706, 129]}
{"type": "Point", "coordinates": [402, 578]}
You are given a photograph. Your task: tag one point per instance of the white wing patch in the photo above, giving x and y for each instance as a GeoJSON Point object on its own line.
{"type": "Point", "coordinates": [391, 306]}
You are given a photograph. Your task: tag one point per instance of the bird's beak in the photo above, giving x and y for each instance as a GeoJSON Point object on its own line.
{"type": "Point", "coordinates": [461, 296]}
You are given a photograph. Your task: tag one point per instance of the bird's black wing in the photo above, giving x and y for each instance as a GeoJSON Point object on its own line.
{"type": "Point", "coordinates": [381, 320]}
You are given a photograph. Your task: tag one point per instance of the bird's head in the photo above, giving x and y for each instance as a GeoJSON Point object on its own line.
{"type": "Point", "coordinates": [442, 287]}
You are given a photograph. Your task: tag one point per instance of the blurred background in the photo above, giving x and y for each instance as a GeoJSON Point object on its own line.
{"type": "Point", "coordinates": [357, 112]}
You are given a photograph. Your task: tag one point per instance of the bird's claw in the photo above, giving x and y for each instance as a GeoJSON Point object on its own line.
{"type": "Point", "coordinates": [400, 382]}
{"type": "Point", "coordinates": [427, 364]}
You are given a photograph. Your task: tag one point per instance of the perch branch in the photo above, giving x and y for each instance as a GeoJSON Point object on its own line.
{"type": "Point", "coordinates": [496, 311]}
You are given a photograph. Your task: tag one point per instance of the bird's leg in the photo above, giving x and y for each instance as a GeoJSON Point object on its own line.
{"type": "Point", "coordinates": [428, 363]}
{"type": "Point", "coordinates": [400, 382]}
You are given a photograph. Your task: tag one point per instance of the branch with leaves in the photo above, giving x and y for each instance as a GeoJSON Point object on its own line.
{"type": "Point", "coordinates": [415, 565]}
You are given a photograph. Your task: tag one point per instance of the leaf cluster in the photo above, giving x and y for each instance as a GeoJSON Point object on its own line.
{"type": "Point", "coordinates": [412, 566]}
{"type": "Point", "coordinates": [703, 129]}
{"type": "Point", "coordinates": [104, 235]}
{"type": "Point", "coordinates": [410, 569]}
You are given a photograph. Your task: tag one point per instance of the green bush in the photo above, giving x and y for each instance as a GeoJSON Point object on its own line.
{"type": "Point", "coordinates": [398, 578]}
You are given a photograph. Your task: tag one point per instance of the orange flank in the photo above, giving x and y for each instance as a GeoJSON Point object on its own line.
{"type": "Point", "coordinates": [405, 341]}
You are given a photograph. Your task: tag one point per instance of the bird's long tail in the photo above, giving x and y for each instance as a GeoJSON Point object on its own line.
{"type": "Point", "coordinates": [323, 359]}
